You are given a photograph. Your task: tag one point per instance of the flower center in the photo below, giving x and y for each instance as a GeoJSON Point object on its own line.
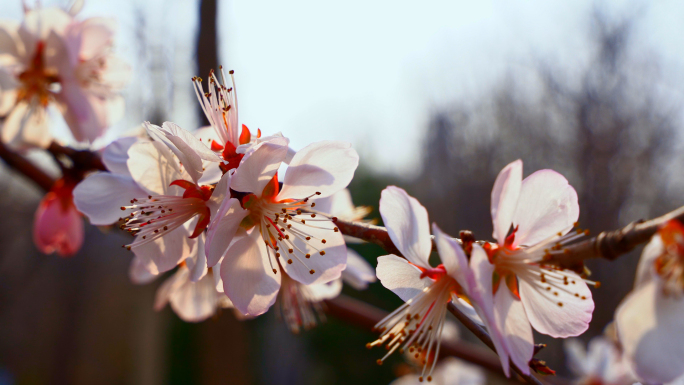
{"type": "Point", "coordinates": [37, 80]}
{"type": "Point", "coordinates": [670, 264]}
{"type": "Point", "coordinates": [417, 325]}
{"type": "Point", "coordinates": [287, 226]}
{"type": "Point", "coordinates": [155, 216]}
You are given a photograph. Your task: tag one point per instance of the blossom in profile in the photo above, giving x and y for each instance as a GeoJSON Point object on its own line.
{"type": "Point", "coordinates": [450, 371]}
{"type": "Point", "coordinates": [540, 210]}
{"type": "Point", "coordinates": [55, 59]}
{"type": "Point", "coordinates": [649, 320]}
{"type": "Point", "coordinates": [220, 105]}
{"type": "Point", "coordinates": [278, 228]}
{"type": "Point", "coordinates": [601, 363]}
{"type": "Point", "coordinates": [416, 327]}
{"type": "Point", "coordinates": [58, 226]}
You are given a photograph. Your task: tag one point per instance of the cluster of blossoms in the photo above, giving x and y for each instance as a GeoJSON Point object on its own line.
{"type": "Point", "coordinates": [212, 205]}
{"type": "Point", "coordinates": [504, 286]}
{"type": "Point", "coordinates": [54, 60]}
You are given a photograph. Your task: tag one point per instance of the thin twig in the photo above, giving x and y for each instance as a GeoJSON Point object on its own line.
{"type": "Point", "coordinates": [25, 167]}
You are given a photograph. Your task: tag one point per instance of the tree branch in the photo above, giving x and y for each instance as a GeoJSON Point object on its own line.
{"type": "Point", "coordinates": [28, 169]}
{"type": "Point", "coordinates": [608, 244]}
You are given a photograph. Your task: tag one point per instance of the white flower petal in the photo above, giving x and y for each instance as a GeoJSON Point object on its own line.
{"type": "Point", "coordinates": [511, 318]}
{"type": "Point", "coordinates": [651, 331]}
{"type": "Point", "coordinates": [323, 291]}
{"type": "Point", "coordinates": [26, 127]}
{"type": "Point", "coordinates": [142, 271]}
{"type": "Point", "coordinates": [153, 168]}
{"type": "Point", "coordinates": [452, 255]}
{"type": "Point", "coordinates": [358, 273]}
{"type": "Point", "coordinates": [219, 195]}
{"type": "Point", "coordinates": [481, 295]}
{"type": "Point", "coordinates": [326, 267]}
{"type": "Point", "coordinates": [326, 167]}
{"type": "Point", "coordinates": [197, 260]}
{"type": "Point", "coordinates": [547, 205]}
{"type": "Point", "coordinates": [258, 168]}
{"type": "Point", "coordinates": [397, 274]}
{"type": "Point", "coordinates": [407, 224]}
{"type": "Point", "coordinates": [168, 251]}
{"type": "Point", "coordinates": [542, 306]}
{"type": "Point", "coordinates": [195, 301]}
{"type": "Point", "coordinates": [115, 155]}
{"type": "Point", "coordinates": [222, 229]}
{"type": "Point", "coordinates": [248, 279]}
{"type": "Point", "coordinates": [646, 268]}
{"type": "Point", "coordinates": [100, 196]}
{"type": "Point", "coordinates": [505, 199]}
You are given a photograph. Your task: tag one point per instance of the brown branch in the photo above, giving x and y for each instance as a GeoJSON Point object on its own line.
{"type": "Point", "coordinates": [608, 244]}
{"type": "Point", "coordinates": [612, 244]}
{"type": "Point", "coordinates": [83, 160]}
{"type": "Point", "coordinates": [28, 169]}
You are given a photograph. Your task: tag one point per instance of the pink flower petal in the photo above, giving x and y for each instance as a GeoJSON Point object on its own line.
{"type": "Point", "coordinates": [453, 257]}
{"type": "Point", "coordinates": [222, 229]}
{"type": "Point", "coordinates": [100, 196]}
{"type": "Point", "coordinates": [511, 318]}
{"type": "Point", "coordinates": [547, 205]}
{"type": "Point", "coordinates": [480, 292]}
{"type": "Point", "coordinates": [651, 331]}
{"type": "Point", "coordinates": [326, 267]}
{"type": "Point", "coordinates": [358, 273]}
{"type": "Point", "coordinates": [115, 155]}
{"type": "Point", "coordinates": [399, 276]}
{"type": "Point", "coordinates": [542, 304]}
{"type": "Point", "coordinates": [153, 168]}
{"type": "Point", "coordinates": [168, 251]}
{"type": "Point", "coordinates": [248, 278]}
{"type": "Point", "coordinates": [407, 224]}
{"type": "Point", "coordinates": [326, 167]}
{"type": "Point", "coordinates": [259, 167]}
{"type": "Point", "coordinates": [505, 199]}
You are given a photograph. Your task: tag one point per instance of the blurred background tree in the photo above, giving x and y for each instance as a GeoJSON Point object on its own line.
{"type": "Point", "coordinates": [609, 127]}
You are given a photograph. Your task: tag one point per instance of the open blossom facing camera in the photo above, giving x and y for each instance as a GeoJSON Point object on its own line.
{"type": "Point", "coordinates": [649, 320]}
{"type": "Point", "coordinates": [542, 208]}
{"type": "Point", "coordinates": [417, 326]}
{"type": "Point", "coordinates": [280, 223]}
{"type": "Point", "coordinates": [176, 209]}
{"type": "Point", "coordinates": [54, 59]}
